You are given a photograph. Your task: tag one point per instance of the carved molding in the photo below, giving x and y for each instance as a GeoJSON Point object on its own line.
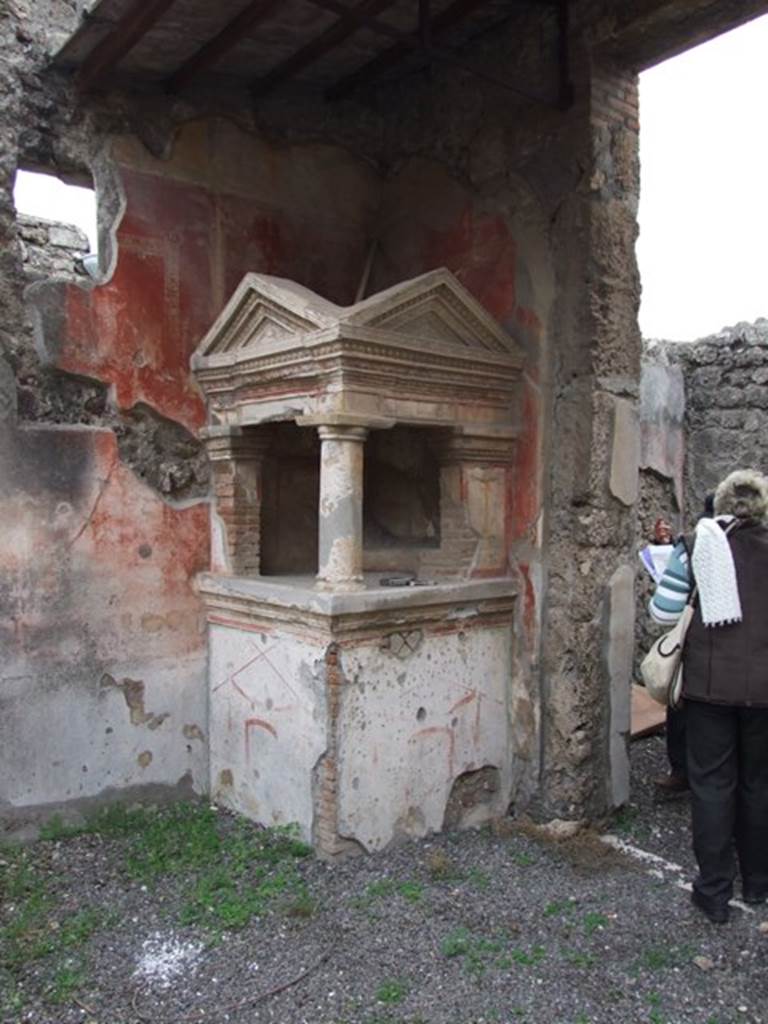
{"type": "Point", "coordinates": [421, 344]}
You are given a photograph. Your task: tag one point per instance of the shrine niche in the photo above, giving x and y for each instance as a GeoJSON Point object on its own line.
{"type": "Point", "coordinates": [362, 461]}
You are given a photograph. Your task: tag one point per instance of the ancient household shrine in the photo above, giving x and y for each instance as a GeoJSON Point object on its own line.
{"type": "Point", "coordinates": [360, 606]}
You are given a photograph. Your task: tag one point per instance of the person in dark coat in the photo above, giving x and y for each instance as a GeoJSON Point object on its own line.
{"type": "Point", "coordinates": [725, 689]}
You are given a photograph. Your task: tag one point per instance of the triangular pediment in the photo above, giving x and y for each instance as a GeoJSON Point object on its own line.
{"type": "Point", "coordinates": [437, 308]}
{"type": "Point", "coordinates": [265, 312]}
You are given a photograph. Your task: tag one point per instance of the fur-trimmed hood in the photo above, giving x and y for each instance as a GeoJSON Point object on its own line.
{"type": "Point", "coordinates": [744, 494]}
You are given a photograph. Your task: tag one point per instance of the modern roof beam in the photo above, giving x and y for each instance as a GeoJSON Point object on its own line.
{"type": "Point", "coordinates": [308, 54]}
{"type": "Point", "coordinates": [458, 10]}
{"type": "Point", "coordinates": [127, 32]}
{"type": "Point", "coordinates": [226, 40]}
{"type": "Point", "coordinates": [406, 43]}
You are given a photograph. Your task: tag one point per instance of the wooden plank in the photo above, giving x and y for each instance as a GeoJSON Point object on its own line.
{"type": "Point", "coordinates": [328, 40]}
{"type": "Point", "coordinates": [648, 717]}
{"type": "Point", "coordinates": [226, 40]}
{"type": "Point", "coordinates": [458, 10]}
{"type": "Point", "coordinates": [132, 27]}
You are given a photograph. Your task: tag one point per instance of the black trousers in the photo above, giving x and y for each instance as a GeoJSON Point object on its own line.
{"type": "Point", "coordinates": [676, 740]}
{"type": "Point", "coordinates": [728, 775]}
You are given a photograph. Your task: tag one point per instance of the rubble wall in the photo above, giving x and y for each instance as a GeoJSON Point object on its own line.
{"type": "Point", "coordinates": [726, 385]}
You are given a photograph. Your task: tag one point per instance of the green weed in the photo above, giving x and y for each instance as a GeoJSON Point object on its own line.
{"type": "Point", "coordinates": [237, 872]}
{"type": "Point", "coordinates": [34, 929]}
{"type": "Point", "coordinates": [593, 921]}
{"type": "Point", "coordinates": [579, 959]}
{"type": "Point", "coordinates": [625, 819]}
{"type": "Point", "coordinates": [558, 907]}
{"type": "Point", "coordinates": [659, 958]}
{"type": "Point", "coordinates": [67, 979]}
{"type": "Point", "coordinates": [387, 889]}
{"type": "Point", "coordinates": [393, 990]}
{"type": "Point", "coordinates": [411, 891]}
{"type": "Point", "coordinates": [181, 837]}
{"type": "Point", "coordinates": [479, 879]}
{"type": "Point", "coordinates": [302, 904]}
{"type": "Point", "coordinates": [527, 958]}
{"type": "Point", "coordinates": [479, 952]}
{"type": "Point", "coordinates": [55, 829]}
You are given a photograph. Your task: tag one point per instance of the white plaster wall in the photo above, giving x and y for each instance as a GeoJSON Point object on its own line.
{"type": "Point", "coordinates": [74, 740]}
{"type": "Point", "coordinates": [408, 727]}
{"type": "Point", "coordinates": [267, 723]}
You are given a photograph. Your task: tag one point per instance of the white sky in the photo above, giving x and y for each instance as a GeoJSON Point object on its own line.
{"type": "Point", "coordinates": [42, 195]}
{"type": "Point", "coordinates": [703, 246]}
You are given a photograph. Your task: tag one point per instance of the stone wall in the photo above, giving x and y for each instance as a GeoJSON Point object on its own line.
{"type": "Point", "coordinates": [726, 384]}
{"type": "Point", "coordinates": [51, 249]}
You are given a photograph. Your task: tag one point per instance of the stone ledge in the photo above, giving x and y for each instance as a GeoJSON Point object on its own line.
{"type": "Point", "coordinates": [292, 603]}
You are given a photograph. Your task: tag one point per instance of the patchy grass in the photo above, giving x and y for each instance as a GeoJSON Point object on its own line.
{"type": "Point", "coordinates": [627, 822]}
{"type": "Point", "coordinates": [232, 872]}
{"type": "Point", "coordinates": [577, 958]}
{"type": "Point", "coordinates": [393, 990]}
{"type": "Point", "coordinates": [36, 931]}
{"type": "Point", "coordinates": [479, 879]}
{"type": "Point", "coordinates": [522, 859]}
{"type": "Point", "coordinates": [66, 982]}
{"type": "Point", "coordinates": [659, 958]}
{"type": "Point", "coordinates": [594, 921]}
{"type": "Point", "coordinates": [481, 952]}
{"type": "Point", "coordinates": [527, 958]}
{"type": "Point", "coordinates": [236, 873]}
{"type": "Point", "coordinates": [387, 889]}
{"type": "Point", "coordinates": [559, 908]}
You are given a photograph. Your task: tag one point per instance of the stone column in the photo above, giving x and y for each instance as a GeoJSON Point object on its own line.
{"type": "Point", "coordinates": [237, 456]}
{"type": "Point", "coordinates": [340, 557]}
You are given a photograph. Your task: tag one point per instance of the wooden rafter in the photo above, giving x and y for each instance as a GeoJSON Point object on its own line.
{"type": "Point", "coordinates": [215, 48]}
{"type": "Point", "coordinates": [458, 10]}
{"type": "Point", "coordinates": [356, 16]}
{"type": "Point", "coordinates": [127, 32]}
{"type": "Point", "coordinates": [414, 42]}
{"type": "Point", "coordinates": [308, 54]}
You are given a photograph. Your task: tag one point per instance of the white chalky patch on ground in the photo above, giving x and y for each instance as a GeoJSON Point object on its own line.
{"type": "Point", "coordinates": [164, 958]}
{"type": "Point", "coordinates": [663, 865]}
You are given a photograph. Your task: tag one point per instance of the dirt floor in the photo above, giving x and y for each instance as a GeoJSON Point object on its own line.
{"type": "Point", "coordinates": [192, 916]}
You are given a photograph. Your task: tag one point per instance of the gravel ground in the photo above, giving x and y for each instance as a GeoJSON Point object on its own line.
{"type": "Point", "coordinates": [489, 926]}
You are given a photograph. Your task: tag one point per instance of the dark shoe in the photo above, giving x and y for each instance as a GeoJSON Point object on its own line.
{"type": "Point", "coordinates": [717, 911]}
{"type": "Point", "coordinates": [671, 783]}
{"type": "Point", "coordinates": [754, 896]}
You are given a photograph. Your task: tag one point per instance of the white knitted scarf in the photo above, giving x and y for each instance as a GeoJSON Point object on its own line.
{"type": "Point", "coordinates": [715, 574]}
